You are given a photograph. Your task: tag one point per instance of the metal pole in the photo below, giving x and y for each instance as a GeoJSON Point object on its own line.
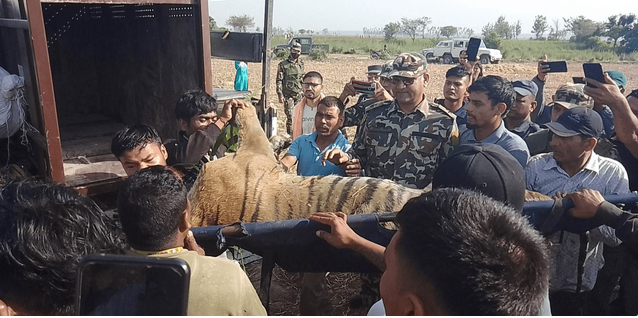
{"type": "Point", "coordinates": [265, 73]}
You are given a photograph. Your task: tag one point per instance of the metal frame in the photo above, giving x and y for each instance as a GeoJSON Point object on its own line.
{"type": "Point", "coordinates": [44, 109]}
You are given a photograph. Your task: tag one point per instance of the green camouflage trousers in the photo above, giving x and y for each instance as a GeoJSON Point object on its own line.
{"type": "Point", "coordinates": [289, 105]}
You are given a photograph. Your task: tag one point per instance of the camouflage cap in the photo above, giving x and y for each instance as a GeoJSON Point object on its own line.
{"type": "Point", "coordinates": [408, 65]}
{"type": "Point", "coordinates": [386, 68]}
{"type": "Point", "coordinates": [296, 45]}
{"type": "Point", "coordinates": [571, 95]}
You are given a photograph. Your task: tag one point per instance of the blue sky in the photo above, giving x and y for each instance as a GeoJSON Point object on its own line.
{"type": "Point", "coordinates": [348, 15]}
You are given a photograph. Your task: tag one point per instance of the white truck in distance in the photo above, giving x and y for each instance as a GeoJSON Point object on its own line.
{"type": "Point", "coordinates": [448, 52]}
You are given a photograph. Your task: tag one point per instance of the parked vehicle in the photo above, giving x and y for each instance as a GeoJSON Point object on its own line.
{"type": "Point", "coordinates": [307, 45]}
{"type": "Point", "coordinates": [448, 52]}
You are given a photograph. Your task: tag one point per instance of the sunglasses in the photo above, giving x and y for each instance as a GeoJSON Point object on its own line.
{"type": "Point", "coordinates": [406, 80]}
{"type": "Point", "coordinates": [309, 85]}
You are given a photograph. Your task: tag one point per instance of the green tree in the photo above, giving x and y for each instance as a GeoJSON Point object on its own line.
{"type": "Point", "coordinates": [540, 26]}
{"type": "Point", "coordinates": [555, 33]}
{"type": "Point", "coordinates": [449, 31]}
{"type": "Point", "coordinates": [302, 31]}
{"type": "Point", "coordinates": [518, 28]}
{"type": "Point", "coordinates": [582, 28]}
{"type": "Point", "coordinates": [435, 31]}
{"type": "Point", "coordinates": [423, 25]}
{"type": "Point", "coordinates": [630, 40]}
{"type": "Point", "coordinates": [502, 28]}
{"type": "Point", "coordinates": [468, 32]}
{"type": "Point", "coordinates": [410, 27]}
{"type": "Point", "coordinates": [325, 31]}
{"type": "Point", "coordinates": [212, 25]}
{"type": "Point", "coordinates": [390, 30]}
{"type": "Point", "coordinates": [493, 41]}
{"type": "Point", "coordinates": [241, 23]}
{"type": "Point", "coordinates": [617, 26]}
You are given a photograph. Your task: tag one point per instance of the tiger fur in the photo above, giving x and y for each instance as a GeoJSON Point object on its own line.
{"type": "Point", "coordinates": [251, 186]}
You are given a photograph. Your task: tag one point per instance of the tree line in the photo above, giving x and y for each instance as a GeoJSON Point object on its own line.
{"type": "Point", "coordinates": [620, 31]}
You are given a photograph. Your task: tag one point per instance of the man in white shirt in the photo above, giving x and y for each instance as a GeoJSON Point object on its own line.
{"type": "Point", "coordinates": [571, 167]}
{"type": "Point", "coordinates": [303, 116]}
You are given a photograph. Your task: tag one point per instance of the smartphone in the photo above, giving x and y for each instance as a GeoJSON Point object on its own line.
{"type": "Point", "coordinates": [115, 285]}
{"type": "Point", "coordinates": [594, 71]}
{"type": "Point", "coordinates": [364, 87]}
{"type": "Point", "coordinates": [472, 49]}
{"type": "Point", "coordinates": [578, 80]}
{"type": "Point", "coordinates": [556, 67]}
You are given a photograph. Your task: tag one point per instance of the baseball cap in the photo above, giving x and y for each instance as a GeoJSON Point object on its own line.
{"type": "Point", "coordinates": [618, 77]}
{"type": "Point", "coordinates": [386, 68]}
{"type": "Point", "coordinates": [486, 168]}
{"type": "Point", "coordinates": [525, 87]}
{"type": "Point", "coordinates": [374, 69]}
{"type": "Point", "coordinates": [408, 65]}
{"type": "Point", "coordinates": [577, 121]}
{"type": "Point", "coordinates": [571, 95]}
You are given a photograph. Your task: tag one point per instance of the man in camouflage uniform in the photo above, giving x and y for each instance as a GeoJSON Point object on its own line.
{"type": "Point", "coordinates": [405, 139]}
{"type": "Point", "coordinates": [289, 75]}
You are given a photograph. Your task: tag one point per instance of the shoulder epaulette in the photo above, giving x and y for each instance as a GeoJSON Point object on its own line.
{"type": "Point", "coordinates": [442, 109]}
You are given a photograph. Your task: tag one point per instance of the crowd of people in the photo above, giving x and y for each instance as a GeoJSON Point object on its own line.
{"type": "Point", "coordinates": [462, 248]}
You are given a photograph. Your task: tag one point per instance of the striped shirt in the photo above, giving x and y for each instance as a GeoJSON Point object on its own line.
{"type": "Point", "coordinates": [608, 176]}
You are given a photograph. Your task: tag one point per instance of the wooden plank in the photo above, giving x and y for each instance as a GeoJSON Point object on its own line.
{"type": "Point", "coordinates": [46, 90]}
{"type": "Point", "coordinates": [86, 147]}
{"type": "Point", "coordinates": [79, 173]}
{"type": "Point", "coordinates": [204, 28]}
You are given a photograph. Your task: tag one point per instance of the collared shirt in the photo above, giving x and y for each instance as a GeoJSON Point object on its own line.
{"type": "Point", "coordinates": [308, 155]}
{"type": "Point", "coordinates": [405, 148]}
{"type": "Point", "coordinates": [525, 128]}
{"type": "Point", "coordinates": [608, 176]}
{"type": "Point", "coordinates": [512, 143]}
{"type": "Point", "coordinates": [461, 113]}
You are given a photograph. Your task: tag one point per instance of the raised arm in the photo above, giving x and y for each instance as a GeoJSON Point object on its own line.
{"type": "Point", "coordinates": [625, 121]}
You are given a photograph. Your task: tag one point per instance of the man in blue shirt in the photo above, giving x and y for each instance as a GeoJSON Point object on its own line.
{"type": "Point", "coordinates": [490, 98]}
{"type": "Point", "coordinates": [307, 151]}
{"type": "Point", "coordinates": [457, 81]}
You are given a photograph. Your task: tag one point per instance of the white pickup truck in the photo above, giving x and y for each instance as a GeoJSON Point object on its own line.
{"type": "Point", "coordinates": [448, 52]}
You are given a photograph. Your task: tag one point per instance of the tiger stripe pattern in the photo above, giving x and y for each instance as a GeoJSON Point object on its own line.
{"type": "Point", "coordinates": [251, 186]}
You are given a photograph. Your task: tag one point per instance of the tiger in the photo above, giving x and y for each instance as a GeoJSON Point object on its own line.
{"type": "Point", "coordinates": [250, 185]}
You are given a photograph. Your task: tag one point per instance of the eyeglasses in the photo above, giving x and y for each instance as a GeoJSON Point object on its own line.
{"type": "Point", "coordinates": [309, 85]}
{"type": "Point", "coordinates": [406, 80]}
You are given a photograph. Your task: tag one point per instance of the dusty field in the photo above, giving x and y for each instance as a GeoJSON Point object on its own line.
{"type": "Point", "coordinates": [339, 68]}
{"type": "Point", "coordinates": [336, 72]}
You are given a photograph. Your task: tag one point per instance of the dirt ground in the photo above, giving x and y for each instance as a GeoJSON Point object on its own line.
{"type": "Point", "coordinates": [337, 71]}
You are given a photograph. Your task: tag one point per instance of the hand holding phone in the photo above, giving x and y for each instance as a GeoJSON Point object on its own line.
{"type": "Point", "coordinates": [555, 67]}
{"type": "Point", "coordinates": [364, 87]}
{"type": "Point", "coordinates": [595, 72]}
{"type": "Point", "coordinates": [472, 49]}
